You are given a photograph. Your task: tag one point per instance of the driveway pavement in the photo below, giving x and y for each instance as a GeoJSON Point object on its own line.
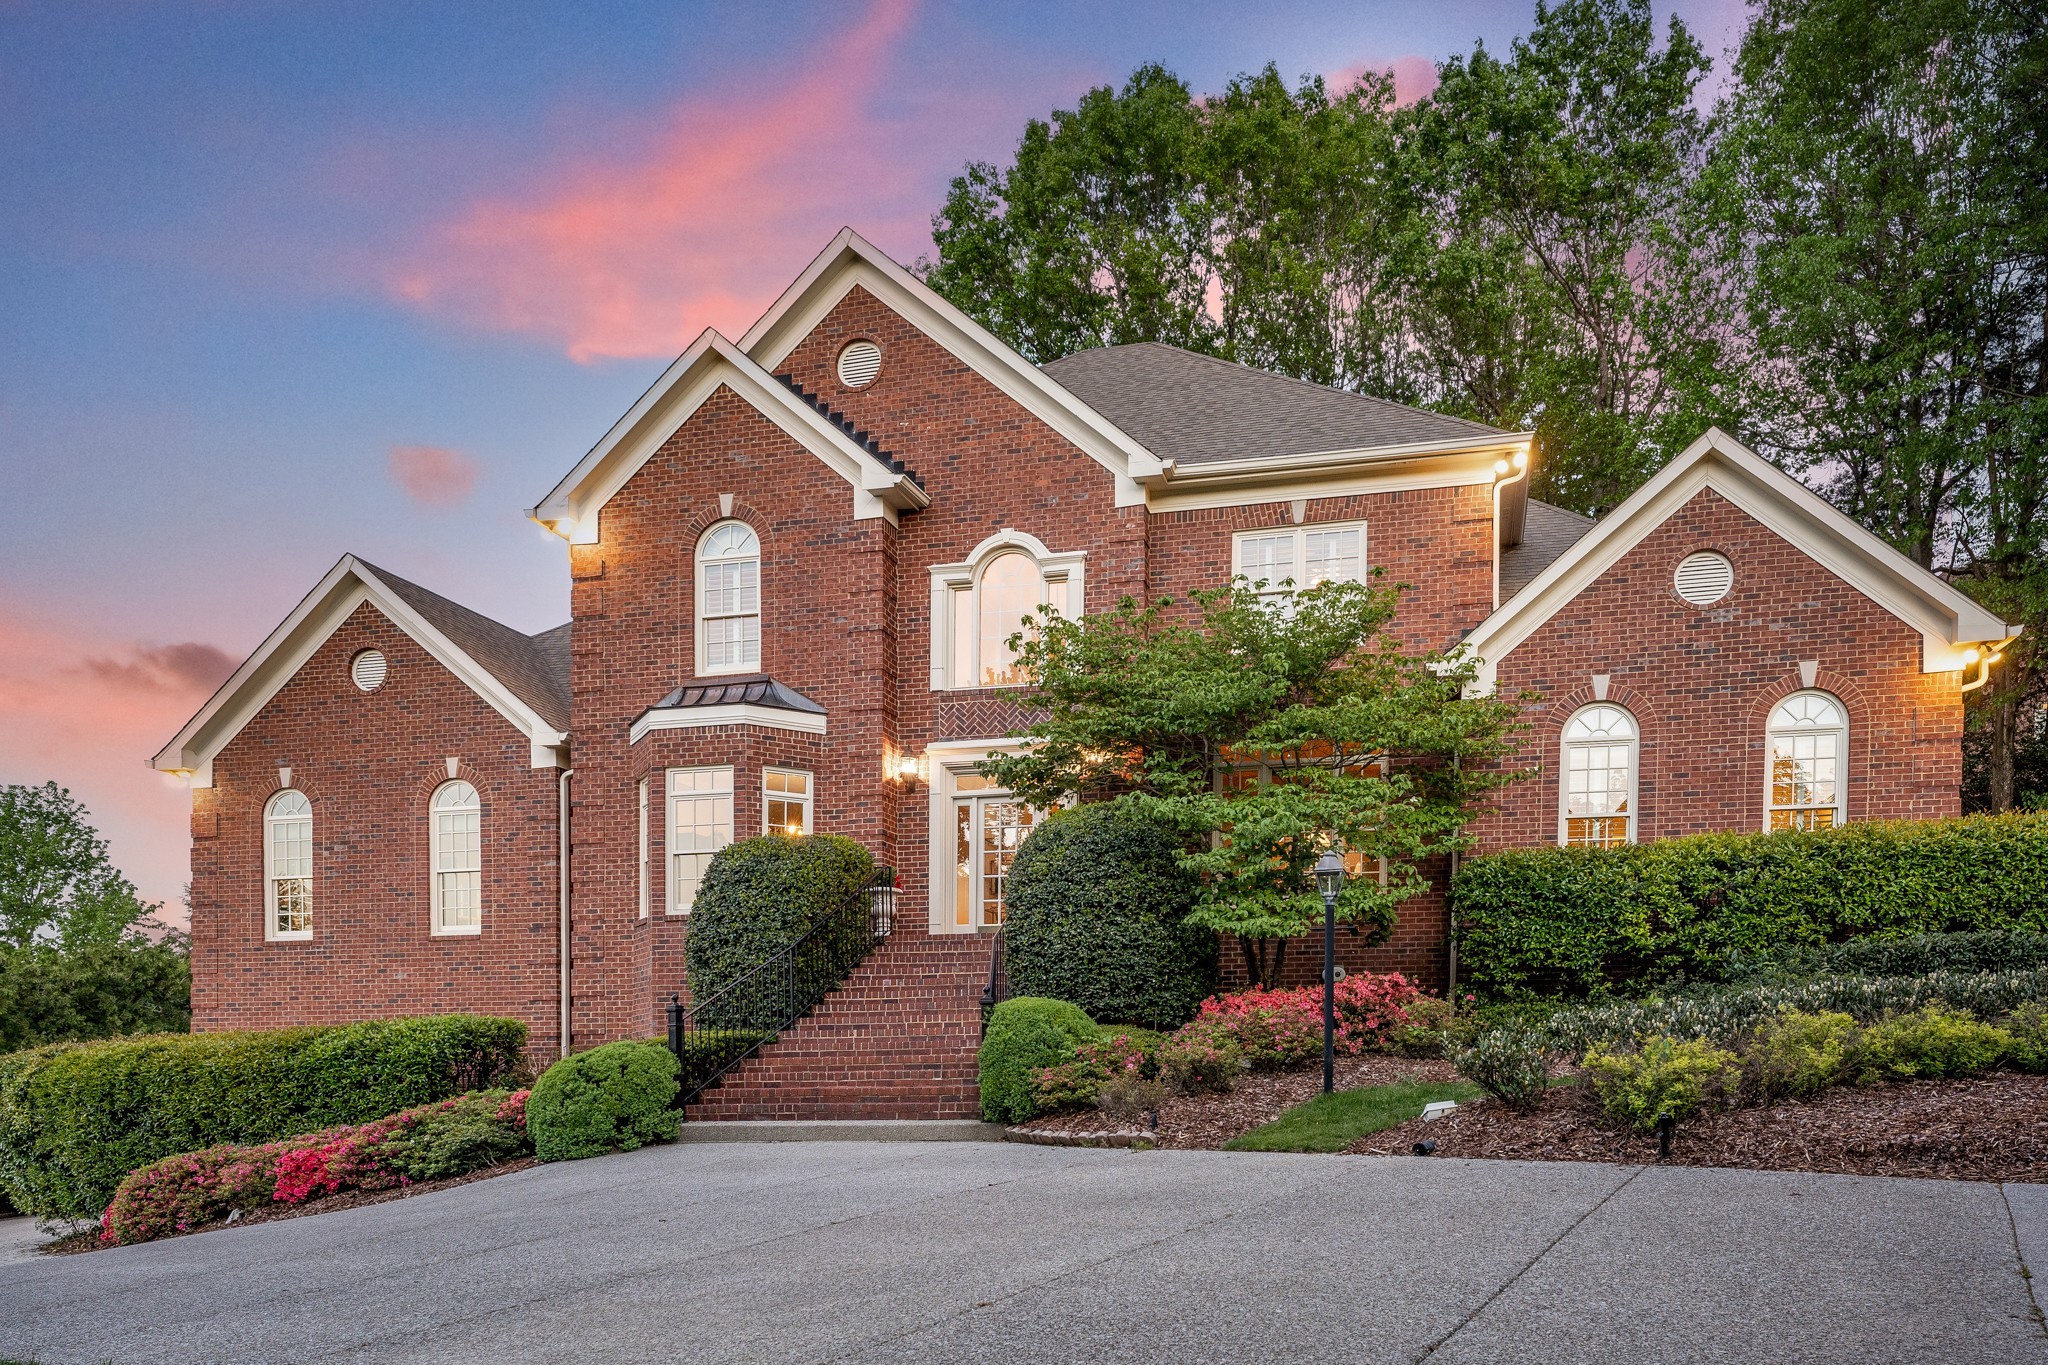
{"type": "Point", "coordinates": [1001, 1252]}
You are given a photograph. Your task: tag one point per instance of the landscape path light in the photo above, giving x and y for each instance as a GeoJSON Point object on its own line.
{"type": "Point", "coordinates": [1330, 882]}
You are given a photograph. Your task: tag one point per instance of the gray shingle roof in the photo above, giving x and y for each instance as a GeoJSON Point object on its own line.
{"type": "Point", "coordinates": [534, 667]}
{"type": "Point", "coordinates": [1547, 533]}
{"type": "Point", "coordinates": [1195, 409]}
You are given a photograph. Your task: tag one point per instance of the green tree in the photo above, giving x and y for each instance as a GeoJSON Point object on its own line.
{"type": "Point", "coordinates": [1885, 176]}
{"type": "Point", "coordinates": [57, 884]}
{"type": "Point", "coordinates": [1261, 731]}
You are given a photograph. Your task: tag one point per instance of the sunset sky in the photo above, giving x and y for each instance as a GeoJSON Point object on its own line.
{"type": "Point", "coordinates": [282, 281]}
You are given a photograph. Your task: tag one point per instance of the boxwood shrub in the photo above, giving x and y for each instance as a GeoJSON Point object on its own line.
{"type": "Point", "coordinates": [75, 1118]}
{"type": "Point", "coordinates": [1096, 913]}
{"type": "Point", "coordinates": [1580, 921]}
{"type": "Point", "coordinates": [1024, 1034]}
{"type": "Point", "coordinates": [612, 1098]}
{"type": "Point", "coordinates": [758, 897]}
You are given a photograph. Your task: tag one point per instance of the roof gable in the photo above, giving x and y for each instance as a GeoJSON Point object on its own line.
{"type": "Point", "coordinates": [514, 674]}
{"type": "Point", "coordinates": [1948, 620]}
{"type": "Point", "coordinates": [880, 487]}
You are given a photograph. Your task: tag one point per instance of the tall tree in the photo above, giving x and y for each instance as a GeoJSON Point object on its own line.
{"type": "Point", "coordinates": [57, 885]}
{"type": "Point", "coordinates": [1886, 176]}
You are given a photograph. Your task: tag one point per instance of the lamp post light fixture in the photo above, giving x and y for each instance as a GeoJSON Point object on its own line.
{"type": "Point", "coordinates": [1330, 882]}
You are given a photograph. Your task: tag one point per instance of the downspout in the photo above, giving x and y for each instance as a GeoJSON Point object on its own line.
{"type": "Point", "coordinates": [1506, 472]}
{"type": "Point", "coordinates": [562, 827]}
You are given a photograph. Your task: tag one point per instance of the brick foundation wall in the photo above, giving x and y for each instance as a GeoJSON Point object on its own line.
{"type": "Point", "coordinates": [369, 763]}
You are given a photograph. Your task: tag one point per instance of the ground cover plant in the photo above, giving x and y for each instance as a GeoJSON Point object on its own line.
{"type": "Point", "coordinates": [76, 1118]}
{"type": "Point", "coordinates": [1331, 1123]}
{"type": "Point", "coordinates": [613, 1098]}
{"type": "Point", "coordinates": [193, 1190]}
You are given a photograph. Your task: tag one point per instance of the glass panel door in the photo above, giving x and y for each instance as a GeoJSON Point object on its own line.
{"type": "Point", "coordinates": [988, 829]}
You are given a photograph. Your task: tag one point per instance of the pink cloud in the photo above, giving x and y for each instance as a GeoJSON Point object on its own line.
{"type": "Point", "coordinates": [633, 255]}
{"type": "Point", "coordinates": [1414, 76]}
{"type": "Point", "coordinates": [433, 476]}
{"type": "Point", "coordinates": [86, 711]}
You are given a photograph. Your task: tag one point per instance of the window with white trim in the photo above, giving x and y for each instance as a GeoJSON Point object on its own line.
{"type": "Point", "coordinates": [785, 801]}
{"type": "Point", "coordinates": [699, 824]}
{"type": "Point", "coordinates": [1597, 792]}
{"type": "Point", "coordinates": [979, 605]}
{"type": "Point", "coordinates": [645, 892]}
{"type": "Point", "coordinates": [457, 829]}
{"type": "Point", "coordinates": [1808, 743]}
{"type": "Point", "coordinates": [1288, 559]}
{"type": "Point", "coordinates": [729, 599]}
{"type": "Point", "coordinates": [288, 866]}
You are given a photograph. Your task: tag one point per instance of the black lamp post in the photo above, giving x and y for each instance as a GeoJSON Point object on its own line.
{"type": "Point", "coordinates": [1330, 882]}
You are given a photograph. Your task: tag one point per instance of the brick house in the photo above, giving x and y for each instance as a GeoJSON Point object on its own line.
{"type": "Point", "coordinates": [793, 563]}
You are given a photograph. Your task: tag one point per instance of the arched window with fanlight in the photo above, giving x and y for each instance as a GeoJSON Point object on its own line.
{"type": "Point", "coordinates": [288, 866]}
{"type": "Point", "coordinates": [1597, 791]}
{"type": "Point", "coordinates": [729, 599]}
{"type": "Point", "coordinates": [456, 828]}
{"type": "Point", "coordinates": [977, 605]}
{"type": "Point", "coordinates": [1808, 747]}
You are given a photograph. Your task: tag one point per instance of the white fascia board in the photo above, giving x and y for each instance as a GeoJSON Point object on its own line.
{"type": "Point", "coordinates": [739, 713]}
{"type": "Point", "coordinates": [851, 260]}
{"type": "Point", "coordinates": [286, 649]}
{"type": "Point", "coordinates": [712, 362]}
{"type": "Point", "coordinates": [1445, 471]}
{"type": "Point", "coordinates": [1948, 620]}
{"type": "Point", "coordinates": [1330, 462]}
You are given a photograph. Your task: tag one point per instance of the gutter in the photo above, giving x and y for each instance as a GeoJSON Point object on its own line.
{"type": "Point", "coordinates": [562, 827]}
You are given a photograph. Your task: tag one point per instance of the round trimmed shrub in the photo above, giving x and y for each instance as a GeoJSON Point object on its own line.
{"type": "Point", "coordinates": [610, 1099]}
{"type": "Point", "coordinates": [758, 897]}
{"type": "Point", "coordinates": [1096, 913]}
{"type": "Point", "coordinates": [1025, 1035]}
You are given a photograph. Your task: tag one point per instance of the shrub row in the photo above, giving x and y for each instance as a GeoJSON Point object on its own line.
{"type": "Point", "coordinates": [76, 1118]}
{"type": "Point", "coordinates": [93, 990]}
{"type": "Point", "coordinates": [1579, 920]}
{"type": "Point", "coordinates": [187, 1192]}
{"type": "Point", "coordinates": [1991, 950]}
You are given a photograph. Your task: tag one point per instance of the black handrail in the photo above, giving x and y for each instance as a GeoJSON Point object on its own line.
{"type": "Point", "coordinates": [998, 988]}
{"type": "Point", "coordinates": [725, 1028]}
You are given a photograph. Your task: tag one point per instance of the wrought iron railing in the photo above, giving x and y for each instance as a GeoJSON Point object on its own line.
{"type": "Point", "coordinates": [998, 988]}
{"type": "Point", "coordinates": [717, 1033]}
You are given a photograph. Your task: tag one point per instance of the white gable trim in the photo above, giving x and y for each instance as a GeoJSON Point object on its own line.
{"type": "Point", "coordinates": [346, 586]}
{"type": "Point", "coordinates": [712, 362]}
{"type": "Point", "coordinates": [852, 261]}
{"type": "Point", "coordinates": [1949, 622]}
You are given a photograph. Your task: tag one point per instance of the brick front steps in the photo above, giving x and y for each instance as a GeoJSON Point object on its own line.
{"type": "Point", "coordinates": [897, 1041]}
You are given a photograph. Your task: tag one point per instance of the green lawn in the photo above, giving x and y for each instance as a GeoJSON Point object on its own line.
{"type": "Point", "coordinates": [1330, 1123]}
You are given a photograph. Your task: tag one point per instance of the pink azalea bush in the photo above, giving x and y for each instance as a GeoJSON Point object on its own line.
{"type": "Point", "coordinates": [1274, 1030]}
{"type": "Point", "coordinates": [1078, 1084]}
{"type": "Point", "coordinates": [187, 1192]}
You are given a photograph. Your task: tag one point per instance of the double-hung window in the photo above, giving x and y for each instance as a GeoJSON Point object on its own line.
{"type": "Point", "coordinates": [456, 823]}
{"type": "Point", "coordinates": [729, 599]}
{"type": "Point", "coordinates": [288, 866]}
{"type": "Point", "coordinates": [1599, 786]}
{"type": "Point", "coordinates": [1286, 560]}
{"type": "Point", "coordinates": [785, 801]}
{"type": "Point", "coordinates": [699, 824]}
{"type": "Point", "coordinates": [1809, 757]}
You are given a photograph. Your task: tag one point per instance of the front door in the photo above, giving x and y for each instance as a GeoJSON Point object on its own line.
{"type": "Point", "coordinates": [988, 828]}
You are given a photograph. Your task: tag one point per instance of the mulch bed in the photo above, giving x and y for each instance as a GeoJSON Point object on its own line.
{"type": "Point", "coordinates": [1209, 1121]}
{"type": "Point", "coordinates": [1991, 1128]}
{"type": "Point", "coordinates": [349, 1199]}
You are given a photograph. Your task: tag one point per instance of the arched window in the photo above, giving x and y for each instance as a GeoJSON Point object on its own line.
{"type": "Point", "coordinates": [288, 866]}
{"type": "Point", "coordinates": [979, 604]}
{"type": "Point", "coordinates": [1598, 788]}
{"type": "Point", "coordinates": [456, 822]}
{"type": "Point", "coordinates": [1809, 756]}
{"type": "Point", "coordinates": [1010, 587]}
{"type": "Point", "coordinates": [729, 599]}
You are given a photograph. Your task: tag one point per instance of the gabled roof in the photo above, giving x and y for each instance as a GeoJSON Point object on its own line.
{"type": "Point", "coordinates": [1949, 622]}
{"type": "Point", "coordinates": [524, 678]}
{"type": "Point", "coordinates": [880, 486]}
{"type": "Point", "coordinates": [852, 261]}
{"type": "Point", "coordinates": [1547, 532]}
{"type": "Point", "coordinates": [1192, 409]}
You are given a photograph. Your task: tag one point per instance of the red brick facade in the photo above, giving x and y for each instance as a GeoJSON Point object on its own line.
{"type": "Point", "coordinates": [845, 608]}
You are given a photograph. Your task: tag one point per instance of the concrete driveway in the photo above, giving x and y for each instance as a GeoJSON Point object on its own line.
{"type": "Point", "coordinates": [1000, 1252]}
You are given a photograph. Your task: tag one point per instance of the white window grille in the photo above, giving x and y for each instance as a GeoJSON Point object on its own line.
{"type": "Point", "coordinates": [729, 599]}
{"type": "Point", "coordinates": [1286, 561]}
{"type": "Point", "coordinates": [989, 826]}
{"type": "Point", "coordinates": [288, 866]}
{"type": "Point", "coordinates": [457, 820]}
{"type": "Point", "coordinates": [1599, 778]}
{"type": "Point", "coordinates": [785, 801]}
{"type": "Point", "coordinates": [699, 824]}
{"type": "Point", "coordinates": [1809, 755]}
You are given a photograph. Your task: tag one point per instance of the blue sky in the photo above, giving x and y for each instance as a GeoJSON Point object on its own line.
{"type": "Point", "coordinates": [282, 281]}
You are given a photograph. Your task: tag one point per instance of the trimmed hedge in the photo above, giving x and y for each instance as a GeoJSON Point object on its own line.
{"type": "Point", "coordinates": [1096, 913]}
{"type": "Point", "coordinates": [1024, 1035]}
{"type": "Point", "coordinates": [758, 897]}
{"type": "Point", "coordinates": [610, 1099]}
{"type": "Point", "coordinates": [1579, 921]}
{"type": "Point", "coordinates": [76, 1118]}
{"type": "Point", "coordinates": [1991, 950]}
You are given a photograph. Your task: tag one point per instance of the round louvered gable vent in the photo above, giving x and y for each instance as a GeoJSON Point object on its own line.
{"type": "Point", "coordinates": [367, 670]}
{"type": "Point", "coordinates": [859, 363]}
{"type": "Point", "coordinates": [1704, 578]}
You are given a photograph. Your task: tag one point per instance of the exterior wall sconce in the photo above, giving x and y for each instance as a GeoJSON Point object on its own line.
{"type": "Point", "coordinates": [907, 769]}
{"type": "Point", "coordinates": [1982, 659]}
